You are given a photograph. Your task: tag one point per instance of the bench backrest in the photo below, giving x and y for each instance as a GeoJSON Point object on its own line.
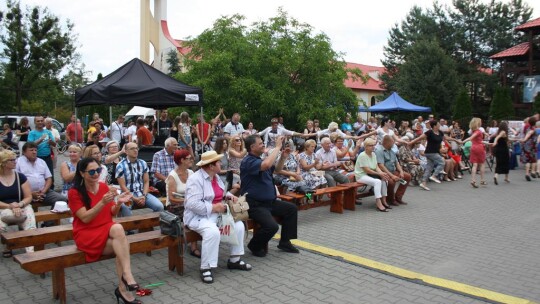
{"type": "Point", "coordinates": [49, 235]}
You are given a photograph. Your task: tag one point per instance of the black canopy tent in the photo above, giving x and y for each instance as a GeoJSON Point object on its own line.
{"type": "Point", "coordinates": [139, 84]}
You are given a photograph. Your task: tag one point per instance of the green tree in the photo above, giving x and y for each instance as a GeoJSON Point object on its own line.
{"type": "Point", "coordinates": [275, 67]}
{"type": "Point", "coordinates": [37, 47]}
{"type": "Point", "coordinates": [462, 107]}
{"type": "Point", "coordinates": [469, 31]}
{"type": "Point", "coordinates": [501, 106]}
{"type": "Point", "coordinates": [172, 61]}
{"type": "Point", "coordinates": [428, 77]}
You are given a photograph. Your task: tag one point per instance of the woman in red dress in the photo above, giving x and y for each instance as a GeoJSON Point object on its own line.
{"type": "Point", "coordinates": [93, 205]}
{"type": "Point", "coordinates": [478, 151]}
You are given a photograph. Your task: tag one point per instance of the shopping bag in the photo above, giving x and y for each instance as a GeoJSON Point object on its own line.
{"type": "Point", "coordinates": [226, 224]}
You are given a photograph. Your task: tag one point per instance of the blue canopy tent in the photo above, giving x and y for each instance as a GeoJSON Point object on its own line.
{"type": "Point", "coordinates": [394, 103]}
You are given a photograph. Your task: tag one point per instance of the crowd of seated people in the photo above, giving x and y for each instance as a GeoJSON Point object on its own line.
{"type": "Point", "coordinates": [376, 152]}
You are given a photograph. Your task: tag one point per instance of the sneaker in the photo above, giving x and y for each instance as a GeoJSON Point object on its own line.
{"type": "Point", "coordinates": [434, 179]}
{"type": "Point", "coordinates": [424, 187]}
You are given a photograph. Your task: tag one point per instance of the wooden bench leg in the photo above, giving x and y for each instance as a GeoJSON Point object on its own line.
{"type": "Point", "coordinates": [337, 202]}
{"type": "Point", "coordinates": [176, 259]}
{"type": "Point", "coordinates": [59, 285]}
{"type": "Point", "coordinates": [148, 253]}
{"type": "Point", "coordinates": [349, 199]}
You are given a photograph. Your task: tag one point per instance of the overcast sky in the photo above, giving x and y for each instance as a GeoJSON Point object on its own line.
{"type": "Point", "coordinates": [109, 32]}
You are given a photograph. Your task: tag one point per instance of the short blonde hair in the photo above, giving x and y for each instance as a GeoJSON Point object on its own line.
{"type": "Point", "coordinates": [6, 155]}
{"type": "Point", "coordinates": [475, 123]}
{"type": "Point", "coordinates": [309, 143]}
{"type": "Point", "coordinates": [88, 151]}
{"type": "Point", "coordinates": [76, 147]}
{"type": "Point", "coordinates": [369, 141]}
{"type": "Point", "coordinates": [333, 126]}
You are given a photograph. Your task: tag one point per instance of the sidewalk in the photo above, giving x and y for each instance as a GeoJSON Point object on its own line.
{"type": "Point", "coordinates": [486, 238]}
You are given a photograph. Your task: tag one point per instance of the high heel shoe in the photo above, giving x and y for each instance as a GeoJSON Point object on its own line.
{"type": "Point", "coordinates": [131, 287]}
{"type": "Point", "coordinates": [119, 296]}
{"type": "Point", "coordinates": [382, 210]}
{"type": "Point", "coordinates": [473, 184]}
{"type": "Point", "coordinates": [387, 206]}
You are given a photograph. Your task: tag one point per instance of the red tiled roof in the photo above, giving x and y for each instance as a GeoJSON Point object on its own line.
{"type": "Point", "coordinates": [184, 50]}
{"type": "Point", "coordinates": [518, 50]}
{"type": "Point", "coordinates": [372, 84]}
{"type": "Point", "coordinates": [528, 25]}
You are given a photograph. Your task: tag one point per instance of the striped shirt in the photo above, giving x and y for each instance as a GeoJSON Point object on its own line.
{"type": "Point", "coordinates": [133, 173]}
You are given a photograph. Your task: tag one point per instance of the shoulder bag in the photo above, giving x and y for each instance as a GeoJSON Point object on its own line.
{"type": "Point", "coordinates": [171, 224]}
{"type": "Point", "coordinates": [8, 216]}
{"type": "Point", "coordinates": [239, 209]}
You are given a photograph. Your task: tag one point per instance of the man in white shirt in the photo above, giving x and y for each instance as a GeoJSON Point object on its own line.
{"type": "Point", "coordinates": [444, 127]}
{"type": "Point", "coordinates": [116, 131]}
{"type": "Point", "coordinates": [131, 132]}
{"type": "Point", "coordinates": [39, 177]}
{"type": "Point", "coordinates": [329, 164]}
{"type": "Point", "coordinates": [233, 127]}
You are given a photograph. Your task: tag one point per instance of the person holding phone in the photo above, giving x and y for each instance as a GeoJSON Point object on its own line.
{"type": "Point", "coordinates": [93, 205]}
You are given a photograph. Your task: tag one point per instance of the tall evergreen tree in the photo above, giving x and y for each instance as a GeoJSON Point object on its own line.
{"type": "Point", "coordinates": [462, 107]}
{"type": "Point", "coordinates": [501, 106]}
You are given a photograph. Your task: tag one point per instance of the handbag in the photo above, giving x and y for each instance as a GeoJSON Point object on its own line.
{"type": "Point", "coordinates": [239, 209]}
{"type": "Point", "coordinates": [171, 224]}
{"type": "Point", "coordinates": [7, 216]}
{"type": "Point", "coordinates": [176, 209]}
{"type": "Point", "coordinates": [226, 225]}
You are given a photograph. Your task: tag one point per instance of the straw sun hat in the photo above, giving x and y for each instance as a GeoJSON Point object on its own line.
{"type": "Point", "coordinates": [209, 157]}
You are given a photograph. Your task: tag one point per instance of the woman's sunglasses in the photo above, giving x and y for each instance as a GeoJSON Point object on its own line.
{"type": "Point", "coordinates": [94, 171]}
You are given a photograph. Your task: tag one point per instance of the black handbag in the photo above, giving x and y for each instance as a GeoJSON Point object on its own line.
{"type": "Point", "coordinates": [171, 224]}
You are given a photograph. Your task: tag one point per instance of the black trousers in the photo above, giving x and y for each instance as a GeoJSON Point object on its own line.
{"type": "Point", "coordinates": [263, 212]}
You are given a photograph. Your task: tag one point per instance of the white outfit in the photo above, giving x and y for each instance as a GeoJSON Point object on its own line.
{"type": "Point", "coordinates": [270, 136]}
{"type": "Point", "coordinates": [117, 131]}
{"type": "Point", "coordinates": [379, 186]}
{"type": "Point", "coordinates": [198, 217]}
{"type": "Point", "coordinates": [180, 187]}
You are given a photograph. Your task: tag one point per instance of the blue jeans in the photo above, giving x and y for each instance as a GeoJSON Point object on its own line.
{"type": "Point", "coordinates": [151, 202]}
{"type": "Point", "coordinates": [433, 160]}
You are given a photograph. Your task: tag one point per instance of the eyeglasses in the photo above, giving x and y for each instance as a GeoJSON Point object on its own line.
{"type": "Point", "coordinates": [94, 171]}
{"type": "Point", "coordinates": [113, 146]}
{"type": "Point", "coordinates": [133, 149]}
{"type": "Point", "coordinates": [96, 153]}
{"type": "Point", "coordinates": [237, 139]}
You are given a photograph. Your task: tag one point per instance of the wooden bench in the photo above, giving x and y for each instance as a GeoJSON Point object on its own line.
{"type": "Point", "coordinates": [56, 259]}
{"type": "Point", "coordinates": [335, 201]}
{"type": "Point", "coordinates": [351, 194]}
{"type": "Point", "coordinates": [47, 215]}
{"type": "Point", "coordinates": [56, 234]}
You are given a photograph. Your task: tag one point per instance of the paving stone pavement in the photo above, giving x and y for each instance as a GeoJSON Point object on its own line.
{"type": "Point", "coordinates": [483, 237]}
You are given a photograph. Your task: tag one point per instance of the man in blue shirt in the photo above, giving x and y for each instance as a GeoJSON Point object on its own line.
{"type": "Point", "coordinates": [257, 182]}
{"type": "Point", "coordinates": [45, 141]}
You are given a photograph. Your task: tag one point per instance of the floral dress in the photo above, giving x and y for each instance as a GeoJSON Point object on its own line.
{"type": "Point", "coordinates": [405, 157]}
{"type": "Point", "coordinates": [529, 149]}
{"type": "Point", "coordinates": [312, 181]}
{"type": "Point", "coordinates": [291, 165]}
